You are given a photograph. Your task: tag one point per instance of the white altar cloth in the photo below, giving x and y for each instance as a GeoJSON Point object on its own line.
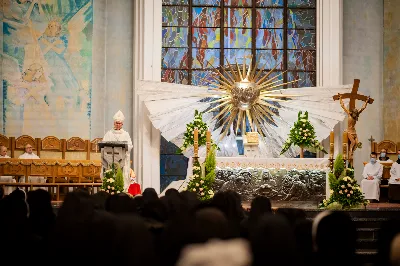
{"type": "Point", "coordinates": [269, 163]}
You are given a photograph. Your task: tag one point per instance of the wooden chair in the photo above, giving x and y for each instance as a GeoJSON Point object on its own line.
{"type": "Point", "coordinates": [4, 141]}
{"type": "Point", "coordinates": [20, 143]}
{"type": "Point", "coordinates": [391, 151]}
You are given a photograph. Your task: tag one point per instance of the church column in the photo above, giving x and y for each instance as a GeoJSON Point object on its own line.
{"type": "Point", "coordinates": [147, 66]}
{"type": "Point", "coordinates": [330, 54]}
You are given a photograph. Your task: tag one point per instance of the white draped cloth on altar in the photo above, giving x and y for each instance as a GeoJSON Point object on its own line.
{"type": "Point", "coordinates": [172, 106]}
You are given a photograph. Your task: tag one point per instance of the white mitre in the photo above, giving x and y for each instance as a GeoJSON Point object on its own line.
{"type": "Point", "coordinates": [119, 116]}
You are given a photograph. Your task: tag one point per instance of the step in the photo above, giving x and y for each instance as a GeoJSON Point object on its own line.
{"type": "Point", "coordinates": [362, 213]}
{"type": "Point", "coordinates": [367, 233]}
{"type": "Point", "coordinates": [367, 244]}
{"type": "Point", "coordinates": [366, 257]}
{"type": "Point", "coordinates": [369, 222]}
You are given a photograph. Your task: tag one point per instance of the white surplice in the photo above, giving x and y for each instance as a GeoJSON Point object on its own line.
{"type": "Point", "coordinates": [122, 135]}
{"type": "Point", "coordinates": [371, 188]}
{"type": "Point", "coordinates": [32, 179]}
{"type": "Point", "coordinates": [8, 179]}
{"type": "Point", "coordinates": [394, 173]}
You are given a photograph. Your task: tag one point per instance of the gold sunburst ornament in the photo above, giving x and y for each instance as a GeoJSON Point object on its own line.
{"type": "Point", "coordinates": [244, 94]}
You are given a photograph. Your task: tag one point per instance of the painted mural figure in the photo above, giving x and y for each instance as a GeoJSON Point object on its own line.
{"type": "Point", "coordinates": [46, 61]}
{"type": "Point", "coordinates": [53, 46]}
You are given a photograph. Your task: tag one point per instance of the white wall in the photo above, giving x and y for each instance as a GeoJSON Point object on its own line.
{"type": "Point", "coordinates": [363, 59]}
{"type": "Point", "coordinates": [112, 64]}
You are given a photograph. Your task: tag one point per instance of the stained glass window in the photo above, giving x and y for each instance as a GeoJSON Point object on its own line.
{"type": "Point", "coordinates": [201, 34]}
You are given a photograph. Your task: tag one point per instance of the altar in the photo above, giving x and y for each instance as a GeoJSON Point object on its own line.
{"type": "Point", "coordinates": [279, 179]}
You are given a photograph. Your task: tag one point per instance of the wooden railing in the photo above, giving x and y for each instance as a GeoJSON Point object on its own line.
{"type": "Point", "coordinates": [58, 173]}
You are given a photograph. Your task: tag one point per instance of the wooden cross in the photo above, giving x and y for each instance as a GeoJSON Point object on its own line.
{"type": "Point", "coordinates": [353, 96]}
{"type": "Point", "coordinates": [371, 139]}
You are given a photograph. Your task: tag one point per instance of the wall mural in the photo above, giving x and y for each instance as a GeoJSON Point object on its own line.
{"type": "Point", "coordinates": [46, 55]}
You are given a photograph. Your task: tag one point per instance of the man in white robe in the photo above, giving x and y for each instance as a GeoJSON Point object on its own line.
{"type": "Point", "coordinates": [395, 171]}
{"type": "Point", "coordinates": [30, 155]}
{"type": "Point", "coordinates": [118, 134]}
{"type": "Point", "coordinates": [394, 181]}
{"type": "Point", "coordinates": [372, 175]}
{"type": "Point", "coordinates": [8, 179]}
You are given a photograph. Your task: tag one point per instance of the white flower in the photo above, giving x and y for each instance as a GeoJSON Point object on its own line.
{"type": "Point", "coordinates": [112, 188]}
{"type": "Point", "coordinates": [210, 192]}
{"type": "Point", "coordinates": [349, 185]}
{"type": "Point", "coordinates": [331, 191]}
{"type": "Point", "coordinates": [108, 187]}
{"type": "Point", "coordinates": [343, 186]}
{"type": "Point", "coordinates": [348, 195]}
{"type": "Point", "coordinates": [345, 191]}
{"type": "Point", "coordinates": [194, 190]}
{"type": "Point", "coordinates": [340, 192]}
{"type": "Point", "coordinates": [108, 191]}
{"type": "Point", "coordinates": [118, 192]}
{"type": "Point", "coordinates": [305, 130]}
{"type": "Point", "coordinates": [201, 189]}
{"type": "Point", "coordinates": [197, 184]}
{"type": "Point", "coordinates": [201, 181]}
{"type": "Point", "coordinates": [351, 191]}
{"type": "Point", "coordinates": [305, 134]}
{"type": "Point", "coordinates": [111, 180]}
{"type": "Point", "coordinates": [112, 193]}
{"type": "Point", "coordinates": [304, 137]}
{"type": "Point", "coordinates": [202, 193]}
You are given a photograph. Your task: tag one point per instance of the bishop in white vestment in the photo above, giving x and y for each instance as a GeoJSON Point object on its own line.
{"type": "Point", "coordinates": [372, 175]}
{"type": "Point", "coordinates": [8, 179]}
{"type": "Point", "coordinates": [118, 134]}
{"type": "Point", "coordinates": [30, 155]}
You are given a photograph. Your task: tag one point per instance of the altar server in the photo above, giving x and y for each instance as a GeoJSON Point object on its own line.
{"type": "Point", "coordinates": [372, 175]}
{"type": "Point", "coordinates": [8, 179]}
{"type": "Point", "coordinates": [30, 155]}
{"type": "Point", "coordinates": [118, 134]}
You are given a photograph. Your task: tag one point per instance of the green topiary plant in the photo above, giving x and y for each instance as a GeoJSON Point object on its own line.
{"type": "Point", "coordinates": [302, 134]}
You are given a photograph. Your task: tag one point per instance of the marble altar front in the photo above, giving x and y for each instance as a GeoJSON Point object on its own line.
{"type": "Point", "coordinates": [280, 179]}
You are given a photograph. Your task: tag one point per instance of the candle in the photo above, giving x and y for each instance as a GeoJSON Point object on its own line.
{"type": "Point", "coordinates": [332, 137]}
{"type": "Point", "coordinates": [196, 142]}
{"type": "Point", "coordinates": [345, 142]}
{"type": "Point", "coordinates": [208, 141]}
{"type": "Point", "coordinates": [196, 134]}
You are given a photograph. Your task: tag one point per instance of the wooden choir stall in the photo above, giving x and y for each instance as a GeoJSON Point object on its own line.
{"type": "Point", "coordinates": [63, 163]}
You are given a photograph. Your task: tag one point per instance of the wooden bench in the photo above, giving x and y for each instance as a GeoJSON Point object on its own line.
{"type": "Point", "coordinates": [73, 173]}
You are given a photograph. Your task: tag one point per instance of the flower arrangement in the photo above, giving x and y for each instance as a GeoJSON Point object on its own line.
{"type": "Point", "coordinates": [344, 190]}
{"type": "Point", "coordinates": [188, 139]}
{"type": "Point", "coordinates": [202, 185]}
{"type": "Point", "coordinates": [302, 134]}
{"type": "Point", "coordinates": [113, 181]}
